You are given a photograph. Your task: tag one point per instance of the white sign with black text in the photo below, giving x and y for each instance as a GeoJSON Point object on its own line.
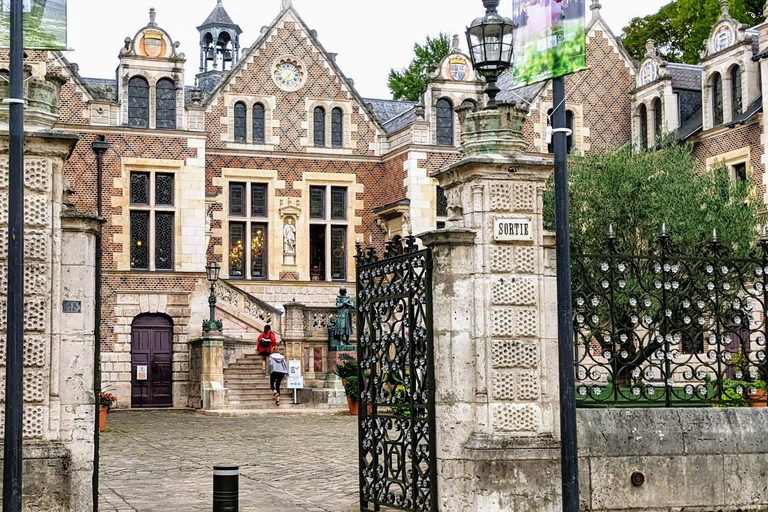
{"type": "Point", "coordinates": [141, 372]}
{"type": "Point", "coordinates": [295, 379]}
{"type": "Point", "coordinates": [513, 229]}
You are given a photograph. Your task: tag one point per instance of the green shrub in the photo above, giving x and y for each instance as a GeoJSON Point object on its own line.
{"type": "Point", "coordinates": [352, 388]}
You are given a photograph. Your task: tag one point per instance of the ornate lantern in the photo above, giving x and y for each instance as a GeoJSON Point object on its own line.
{"type": "Point", "coordinates": [212, 269]}
{"type": "Point", "coordinates": [490, 46]}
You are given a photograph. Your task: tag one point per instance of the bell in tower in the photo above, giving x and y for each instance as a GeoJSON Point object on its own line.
{"type": "Point", "coordinates": [219, 47]}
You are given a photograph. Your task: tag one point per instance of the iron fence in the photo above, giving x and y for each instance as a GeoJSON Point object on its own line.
{"type": "Point", "coordinates": [667, 329]}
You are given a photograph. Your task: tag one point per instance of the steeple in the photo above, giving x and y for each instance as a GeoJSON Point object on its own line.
{"type": "Point", "coordinates": [219, 46]}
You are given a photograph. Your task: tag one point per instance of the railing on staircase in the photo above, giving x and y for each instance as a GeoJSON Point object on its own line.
{"type": "Point", "coordinates": [248, 308]}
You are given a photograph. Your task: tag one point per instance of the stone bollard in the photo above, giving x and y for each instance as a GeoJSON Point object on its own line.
{"type": "Point", "coordinates": [226, 488]}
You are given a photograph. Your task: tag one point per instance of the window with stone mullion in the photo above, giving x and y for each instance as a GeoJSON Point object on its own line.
{"type": "Point", "coordinates": [152, 221]}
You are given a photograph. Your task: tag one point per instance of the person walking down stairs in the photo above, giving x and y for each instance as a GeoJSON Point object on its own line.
{"type": "Point", "coordinates": [278, 369]}
{"type": "Point", "coordinates": [267, 343]}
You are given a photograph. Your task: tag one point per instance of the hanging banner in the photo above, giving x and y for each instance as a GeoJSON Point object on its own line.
{"type": "Point", "coordinates": [550, 39]}
{"type": "Point", "coordinates": [45, 24]}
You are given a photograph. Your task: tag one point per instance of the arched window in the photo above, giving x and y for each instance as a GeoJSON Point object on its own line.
{"type": "Point", "coordinates": [444, 122]}
{"type": "Point", "coordinates": [736, 105]}
{"type": "Point", "coordinates": [240, 127]}
{"type": "Point", "coordinates": [658, 121]}
{"type": "Point", "coordinates": [138, 102]}
{"type": "Point", "coordinates": [319, 126]}
{"type": "Point", "coordinates": [337, 128]}
{"type": "Point", "coordinates": [258, 124]}
{"type": "Point", "coordinates": [166, 104]}
{"type": "Point", "coordinates": [717, 100]}
{"type": "Point", "coordinates": [568, 124]}
{"type": "Point", "coordinates": [642, 113]}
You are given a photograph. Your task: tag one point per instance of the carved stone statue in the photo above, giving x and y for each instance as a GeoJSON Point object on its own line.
{"type": "Point", "coordinates": [340, 328]}
{"type": "Point", "coordinates": [289, 237]}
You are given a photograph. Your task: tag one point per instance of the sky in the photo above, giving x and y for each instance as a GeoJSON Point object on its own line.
{"type": "Point", "coordinates": [370, 37]}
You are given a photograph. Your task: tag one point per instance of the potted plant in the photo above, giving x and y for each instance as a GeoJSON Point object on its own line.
{"type": "Point", "coordinates": [352, 390]}
{"type": "Point", "coordinates": [758, 393]}
{"type": "Point", "coordinates": [347, 368]}
{"type": "Point", "coordinates": [106, 401]}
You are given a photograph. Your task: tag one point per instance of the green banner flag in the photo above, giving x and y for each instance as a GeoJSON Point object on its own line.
{"type": "Point", "coordinates": [45, 24]}
{"type": "Point", "coordinates": [550, 39]}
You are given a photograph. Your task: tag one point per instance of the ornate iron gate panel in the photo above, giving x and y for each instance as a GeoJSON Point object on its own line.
{"type": "Point", "coordinates": [397, 413]}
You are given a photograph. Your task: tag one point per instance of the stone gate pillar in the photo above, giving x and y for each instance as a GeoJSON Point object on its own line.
{"type": "Point", "coordinates": [495, 325]}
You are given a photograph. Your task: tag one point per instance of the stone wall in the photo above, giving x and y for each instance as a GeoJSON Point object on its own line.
{"type": "Point", "coordinates": [692, 459]}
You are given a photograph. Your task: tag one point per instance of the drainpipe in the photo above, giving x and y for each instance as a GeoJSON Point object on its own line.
{"type": "Point", "coordinates": [99, 147]}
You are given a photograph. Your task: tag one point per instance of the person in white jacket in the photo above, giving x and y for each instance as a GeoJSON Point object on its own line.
{"type": "Point", "coordinates": [277, 368]}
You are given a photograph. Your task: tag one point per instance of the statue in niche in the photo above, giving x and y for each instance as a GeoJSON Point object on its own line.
{"type": "Point", "coordinates": [340, 328]}
{"type": "Point", "coordinates": [289, 237]}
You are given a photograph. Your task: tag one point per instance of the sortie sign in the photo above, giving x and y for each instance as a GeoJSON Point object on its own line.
{"type": "Point", "coordinates": [518, 229]}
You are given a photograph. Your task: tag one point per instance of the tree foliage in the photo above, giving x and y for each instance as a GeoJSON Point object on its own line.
{"type": "Point", "coordinates": [410, 82]}
{"type": "Point", "coordinates": [680, 28]}
{"type": "Point", "coordinates": [637, 192]}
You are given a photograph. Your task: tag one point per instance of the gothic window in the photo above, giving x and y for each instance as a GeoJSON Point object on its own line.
{"type": "Point", "coordinates": [337, 125]}
{"type": "Point", "coordinates": [237, 199]}
{"type": "Point", "coordinates": [442, 203]}
{"type": "Point", "coordinates": [328, 232]}
{"type": "Point", "coordinates": [642, 114]}
{"type": "Point", "coordinates": [568, 124]}
{"type": "Point", "coordinates": [319, 126]}
{"type": "Point", "coordinates": [237, 249]}
{"type": "Point", "coordinates": [658, 121]}
{"type": "Point", "coordinates": [258, 124]}
{"type": "Point", "coordinates": [240, 120]}
{"type": "Point", "coordinates": [259, 200]}
{"type": "Point", "coordinates": [152, 220]}
{"type": "Point", "coordinates": [138, 102]}
{"type": "Point", "coordinates": [248, 239]}
{"type": "Point", "coordinates": [717, 100]}
{"type": "Point", "coordinates": [166, 104]}
{"type": "Point", "coordinates": [444, 122]}
{"type": "Point", "coordinates": [736, 105]}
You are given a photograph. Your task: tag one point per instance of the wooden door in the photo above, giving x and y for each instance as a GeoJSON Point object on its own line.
{"type": "Point", "coordinates": [151, 361]}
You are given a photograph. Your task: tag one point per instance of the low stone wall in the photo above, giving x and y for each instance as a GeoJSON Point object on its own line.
{"type": "Point", "coordinates": [692, 459]}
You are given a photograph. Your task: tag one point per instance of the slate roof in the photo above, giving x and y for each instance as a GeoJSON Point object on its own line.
{"type": "Point", "coordinates": [752, 110]}
{"type": "Point", "coordinates": [104, 89]}
{"type": "Point", "coordinates": [691, 127]}
{"type": "Point", "coordinates": [219, 16]}
{"type": "Point", "coordinates": [685, 76]}
{"type": "Point", "coordinates": [393, 115]}
{"type": "Point", "coordinates": [512, 92]}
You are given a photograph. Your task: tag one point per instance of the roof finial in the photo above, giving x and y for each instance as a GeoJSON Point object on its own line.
{"type": "Point", "coordinates": [456, 43]}
{"type": "Point", "coordinates": [286, 4]}
{"type": "Point", "coordinates": [596, 8]}
{"type": "Point", "coordinates": [724, 7]}
{"type": "Point", "coordinates": [152, 15]}
{"type": "Point", "coordinates": [218, 2]}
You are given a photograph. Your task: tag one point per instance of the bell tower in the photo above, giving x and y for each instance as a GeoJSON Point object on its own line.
{"type": "Point", "coordinates": [219, 47]}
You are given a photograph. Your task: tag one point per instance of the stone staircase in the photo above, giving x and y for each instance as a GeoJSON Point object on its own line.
{"type": "Point", "coordinates": [248, 385]}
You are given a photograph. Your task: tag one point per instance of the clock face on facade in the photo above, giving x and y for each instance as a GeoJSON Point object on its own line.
{"type": "Point", "coordinates": [288, 75]}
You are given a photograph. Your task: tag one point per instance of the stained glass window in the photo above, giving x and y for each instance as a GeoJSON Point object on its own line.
{"type": "Point", "coordinates": [259, 200]}
{"type": "Point", "coordinates": [164, 240]}
{"type": "Point", "coordinates": [240, 120]}
{"type": "Point", "coordinates": [139, 240]}
{"type": "Point", "coordinates": [736, 91]}
{"type": "Point", "coordinates": [316, 202]}
{"type": "Point", "coordinates": [338, 203]}
{"type": "Point", "coordinates": [236, 249]}
{"type": "Point", "coordinates": [717, 99]}
{"type": "Point", "coordinates": [138, 102]}
{"type": "Point", "coordinates": [442, 203]}
{"type": "Point", "coordinates": [319, 126]}
{"type": "Point", "coordinates": [163, 189]}
{"type": "Point", "coordinates": [237, 199]}
{"type": "Point", "coordinates": [166, 104]}
{"type": "Point", "coordinates": [337, 132]}
{"type": "Point", "coordinates": [258, 124]}
{"type": "Point", "coordinates": [258, 251]}
{"type": "Point", "coordinates": [338, 252]}
{"type": "Point", "coordinates": [444, 122]}
{"type": "Point", "coordinates": [140, 188]}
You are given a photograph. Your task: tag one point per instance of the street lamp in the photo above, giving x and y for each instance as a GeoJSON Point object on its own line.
{"type": "Point", "coordinates": [212, 271]}
{"type": "Point", "coordinates": [490, 47]}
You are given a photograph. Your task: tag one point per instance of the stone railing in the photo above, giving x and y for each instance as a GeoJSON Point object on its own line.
{"type": "Point", "coordinates": [248, 308]}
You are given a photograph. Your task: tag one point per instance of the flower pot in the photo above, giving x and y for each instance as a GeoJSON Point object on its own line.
{"type": "Point", "coordinates": [760, 398]}
{"type": "Point", "coordinates": [353, 406]}
{"type": "Point", "coordinates": [344, 382]}
{"type": "Point", "coordinates": [103, 410]}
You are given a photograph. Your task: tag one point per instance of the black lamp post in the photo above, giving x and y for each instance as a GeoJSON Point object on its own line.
{"type": "Point", "coordinates": [212, 270]}
{"type": "Point", "coordinates": [490, 41]}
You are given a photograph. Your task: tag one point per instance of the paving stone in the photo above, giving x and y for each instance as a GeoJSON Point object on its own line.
{"type": "Point", "coordinates": [163, 461]}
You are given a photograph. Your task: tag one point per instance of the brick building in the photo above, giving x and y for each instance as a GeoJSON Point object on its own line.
{"type": "Point", "coordinates": [275, 166]}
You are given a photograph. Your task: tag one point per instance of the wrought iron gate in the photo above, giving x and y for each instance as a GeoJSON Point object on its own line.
{"type": "Point", "coordinates": [397, 412]}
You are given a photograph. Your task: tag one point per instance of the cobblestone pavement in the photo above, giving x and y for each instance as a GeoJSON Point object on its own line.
{"type": "Point", "coordinates": [163, 460]}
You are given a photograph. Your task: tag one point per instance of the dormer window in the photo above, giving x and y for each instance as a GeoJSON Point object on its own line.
{"type": "Point", "coordinates": [717, 100]}
{"type": "Point", "coordinates": [642, 114]}
{"type": "Point", "coordinates": [658, 119]}
{"type": "Point", "coordinates": [166, 104]}
{"type": "Point", "coordinates": [444, 122]}
{"type": "Point", "coordinates": [736, 105]}
{"type": "Point", "coordinates": [138, 102]}
{"type": "Point", "coordinates": [723, 38]}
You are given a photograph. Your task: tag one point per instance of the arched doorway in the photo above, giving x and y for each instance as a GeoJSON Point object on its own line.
{"type": "Point", "coordinates": [151, 361]}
